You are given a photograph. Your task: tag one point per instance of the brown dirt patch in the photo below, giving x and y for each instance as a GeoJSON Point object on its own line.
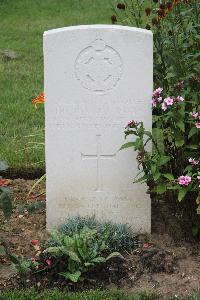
{"type": "Point", "coordinates": [164, 265]}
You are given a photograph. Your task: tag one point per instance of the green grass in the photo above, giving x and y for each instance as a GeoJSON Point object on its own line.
{"type": "Point", "coordinates": [88, 295]}
{"type": "Point", "coordinates": [22, 23]}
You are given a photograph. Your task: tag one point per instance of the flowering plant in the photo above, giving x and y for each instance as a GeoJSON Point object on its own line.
{"type": "Point", "coordinates": [174, 165]}
{"type": "Point", "coordinates": [173, 169]}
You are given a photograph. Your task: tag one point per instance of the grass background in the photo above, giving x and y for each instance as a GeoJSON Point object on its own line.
{"type": "Point", "coordinates": [88, 295]}
{"type": "Point", "coordinates": [22, 23]}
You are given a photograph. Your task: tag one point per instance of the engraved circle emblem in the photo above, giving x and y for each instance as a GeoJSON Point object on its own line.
{"type": "Point", "coordinates": [98, 67]}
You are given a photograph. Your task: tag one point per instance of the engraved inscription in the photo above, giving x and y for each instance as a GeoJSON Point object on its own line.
{"type": "Point", "coordinates": [98, 67]}
{"type": "Point", "coordinates": [98, 157]}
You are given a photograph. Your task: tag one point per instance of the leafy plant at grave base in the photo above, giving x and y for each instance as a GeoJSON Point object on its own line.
{"type": "Point", "coordinates": [173, 169]}
{"type": "Point", "coordinates": [5, 193]}
{"type": "Point", "coordinates": [71, 257]}
{"type": "Point", "coordinates": [121, 237]}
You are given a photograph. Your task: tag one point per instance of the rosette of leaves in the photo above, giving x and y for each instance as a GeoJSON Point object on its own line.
{"type": "Point", "coordinates": [82, 251]}
{"type": "Point", "coordinates": [121, 237]}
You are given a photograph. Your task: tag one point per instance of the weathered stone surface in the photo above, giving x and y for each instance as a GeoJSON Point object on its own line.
{"type": "Point", "coordinates": [97, 78]}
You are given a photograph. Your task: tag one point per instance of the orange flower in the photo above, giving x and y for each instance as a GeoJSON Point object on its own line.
{"type": "Point", "coordinates": [175, 2]}
{"type": "Point", "coordinates": [39, 99]}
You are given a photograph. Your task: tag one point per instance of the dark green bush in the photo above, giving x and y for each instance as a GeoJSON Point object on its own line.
{"type": "Point", "coordinates": [121, 237]}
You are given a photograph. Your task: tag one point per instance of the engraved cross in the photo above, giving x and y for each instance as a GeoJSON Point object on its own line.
{"type": "Point", "coordinates": [98, 157]}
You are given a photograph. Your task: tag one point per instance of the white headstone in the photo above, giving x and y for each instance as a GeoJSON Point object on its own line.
{"type": "Point", "coordinates": [97, 78]}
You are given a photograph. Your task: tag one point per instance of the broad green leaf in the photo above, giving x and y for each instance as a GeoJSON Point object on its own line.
{"type": "Point", "coordinates": [168, 176]}
{"type": "Point", "coordinates": [99, 259]}
{"type": "Point", "coordinates": [161, 188]}
{"type": "Point", "coordinates": [74, 277]}
{"type": "Point", "coordinates": [181, 125]}
{"type": "Point", "coordinates": [181, 194]}
{"type": "Point", "coordinates": [192, 132]}
{"type": "Point", "coordinates": [68, 241]}
{"type": "Point", "coordinates": [156, 175]}
{"type": "Point", "coordinates": [127, 145]}
{"type": "Point", "coordinates": [194, 147]}
{"type": "Point", "coordinates": [163, 160]}
{"type": "Point", "coordinates": [179, 141]}
{"type": "Point", "coordinates": [73, 256]}
{"type": "Point", "coordinates": [153, 168]}
{"type": "Point", "coordinates": [143, 178]}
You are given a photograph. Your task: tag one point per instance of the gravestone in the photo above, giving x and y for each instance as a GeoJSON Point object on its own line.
{"type": "Point", "coordinates": [97, 78]}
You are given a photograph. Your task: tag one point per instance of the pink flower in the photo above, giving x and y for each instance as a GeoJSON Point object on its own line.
{"type": "Point", "coordinates": [184, 180]}
{"type": "Point", "coordinates": [198, 177]}
{"type": "Point", "coordinates": [154, 102]}
{"type": "Point", "coordinates": [197, 125]}
{"type": "Point", "coordinates": [193, 162]}
{"type": "Point", "coordinates": [194, 114]}
{"type": "Point", "coordinates": [168, 101]}
{"type": "Point", "coordinates": [157, 92]}
{"type": "Point", "coordinates": [179, 99]}
{"type": "Point", "coordinates": [164, 106]}
{"type": "Point", "coordinates": [128, 124]}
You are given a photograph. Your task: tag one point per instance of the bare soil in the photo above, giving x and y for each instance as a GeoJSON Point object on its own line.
{"type": "Point", "coordinates": [165, 263]}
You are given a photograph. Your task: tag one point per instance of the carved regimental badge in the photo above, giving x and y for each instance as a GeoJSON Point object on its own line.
{"type": "Point", "coordinates": [98, 67]}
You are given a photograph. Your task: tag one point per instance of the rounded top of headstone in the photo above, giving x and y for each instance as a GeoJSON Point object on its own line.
{"type": "Point", "coordinates": [98, 27]}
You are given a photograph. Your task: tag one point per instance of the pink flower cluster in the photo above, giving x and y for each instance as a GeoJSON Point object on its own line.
{"type": "Point", "coordinates": [167, 102]}
{"type": "Point", "coordinates": [157, 98]}
{"type": "Point", "coordinates": [184, 180]}
{"type": "Point", "coordinates": [196, 116]}
{"type": "Point", "coordinates": [193, 161]}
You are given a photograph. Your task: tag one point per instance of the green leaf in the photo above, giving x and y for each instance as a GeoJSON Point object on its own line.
{"type": "Point", "coordinates": [99, 259]}
{"type": "Point", "coordinates": [162, 160]}
{"type": "Point", "coordinates": [156, 175]}
{"type": "Point", "coordinates": [73, 256]}
{"type": "Point", "coordinates": [168, 176]}
{"type": "Point", "coordinates": [181, 194]}
{"type": "Point", "coordinates": [194, 147]}
{"type": "Point", "coordinates": [179, 141]}
{"type": "Point", "coordinates": [148, 133]}
{"type": "Point", "coordinates": [192, 132]}
{"type": "Point", "coordinates": [127, 145]}
{"type": "Point", "coordinates": [181, 126]}
{"type": "Point", "coordinates": [68, 241]}
{"type": "Point", "coordinates": [161, 188]}
{"type": "Point", "coordinates": [114, 254]}
{"type": "Point", "coordinates": [5, 200]}
{"type": "Point", "coordinates": [74, 277]}
{"type": "Point", "coordinates": [143, 178]}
